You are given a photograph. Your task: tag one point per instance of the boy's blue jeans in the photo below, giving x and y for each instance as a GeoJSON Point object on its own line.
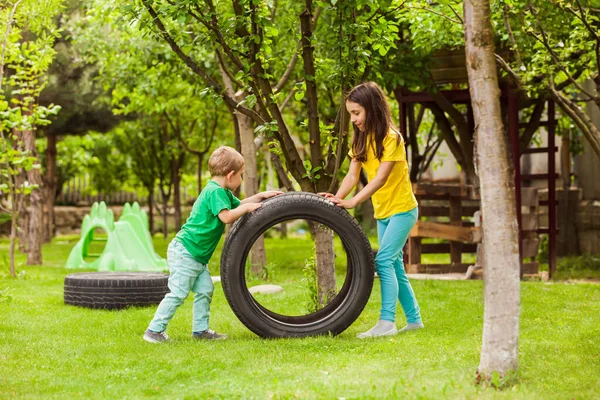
{"type": "Point", "coordinates": [392, 234]}
{"type": "Point", "coordinates": [187, 275]}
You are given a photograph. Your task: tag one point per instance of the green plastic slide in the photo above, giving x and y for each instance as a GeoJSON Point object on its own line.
{"type": "Point", "coordinates": [128, 242]}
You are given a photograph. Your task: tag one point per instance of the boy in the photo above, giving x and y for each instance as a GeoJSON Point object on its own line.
{"type": "Point", "coordinates": [189, 252]}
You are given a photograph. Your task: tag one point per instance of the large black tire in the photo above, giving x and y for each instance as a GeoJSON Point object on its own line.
{"type": "Point", "coordinates": [341, 312]}
{"type": "Point", "coordinates": [115, 290]}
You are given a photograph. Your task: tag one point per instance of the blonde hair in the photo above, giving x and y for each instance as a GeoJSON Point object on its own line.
{"type": "Point", "coordinates": [224, 160]}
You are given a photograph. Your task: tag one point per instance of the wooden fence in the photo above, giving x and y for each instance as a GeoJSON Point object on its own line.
{"type": "Point", "coordinates": [77, 191]}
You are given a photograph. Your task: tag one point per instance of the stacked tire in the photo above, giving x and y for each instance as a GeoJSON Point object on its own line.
{"type": "Point", "coordinates": [115, 290]}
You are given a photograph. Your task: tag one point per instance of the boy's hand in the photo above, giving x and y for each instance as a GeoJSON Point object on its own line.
{"type": "Point", "coordinates": [269, 193]}
{"type": "Point", "coordinates": [252, 206]}
{"type": "Point", "coordinates": [326, 195]}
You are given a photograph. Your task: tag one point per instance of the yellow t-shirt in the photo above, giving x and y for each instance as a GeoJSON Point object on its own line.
{"type": "Point", "coordinates": [396, 195]}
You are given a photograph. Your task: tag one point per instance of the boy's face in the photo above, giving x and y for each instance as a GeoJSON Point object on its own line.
{"type": "Point", "coordinates": [234, 179]}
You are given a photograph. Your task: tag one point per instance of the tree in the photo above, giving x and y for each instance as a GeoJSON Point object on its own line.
{"type": "Point", "coordinates": [253, 38]}
{"type": "Point", "coordinates": [85, 107]}
{"type": "Point", "coordinates": [148, 157]}
{"type": "Point", "coordinates": [551, 61]}
{"type": "Point", "coordinates": [26, 53]}
{"type": "Point", "coordinates": [148, 84]}
{"type": "Point", "coordinates": [499, 353]}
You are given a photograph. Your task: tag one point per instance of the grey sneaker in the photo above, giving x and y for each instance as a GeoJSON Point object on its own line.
{"type": "Point", "coordinates": [156, 337]}
{"type": "Point", "coordinates": [209, 335]}
{"type": "Point", "coordinates": [371, 334]}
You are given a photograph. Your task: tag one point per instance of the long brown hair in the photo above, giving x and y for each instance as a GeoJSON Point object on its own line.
{"type": "Point", "coordinates": [378, 119]}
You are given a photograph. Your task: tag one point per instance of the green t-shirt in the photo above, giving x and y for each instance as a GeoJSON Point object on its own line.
{"type": "Point", "coordinates": [203, 229]}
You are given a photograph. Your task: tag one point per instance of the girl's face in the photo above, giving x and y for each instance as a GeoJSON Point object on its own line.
{"type": "Point", "coordinates": [358, 115]}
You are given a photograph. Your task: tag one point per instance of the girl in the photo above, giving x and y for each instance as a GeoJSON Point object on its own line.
{"type": "Point", "coordinates": [378, 147]}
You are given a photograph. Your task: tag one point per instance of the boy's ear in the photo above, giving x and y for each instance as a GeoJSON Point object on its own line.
{"type": "Point", "coordinates": [230, 174]}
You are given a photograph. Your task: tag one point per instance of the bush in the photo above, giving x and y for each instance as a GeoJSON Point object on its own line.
{"type": "Point", "coordinates": [4, 217]}
{"type": "Point", "coordinates": [578, 267]}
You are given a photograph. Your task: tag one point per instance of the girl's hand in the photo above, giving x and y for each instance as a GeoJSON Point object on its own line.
{"type": "Point", "coordinates": [342, 203]}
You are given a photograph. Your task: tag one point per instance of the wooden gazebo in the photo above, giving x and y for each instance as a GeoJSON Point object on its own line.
{"type": "Point", "coordinates": [451, 69]}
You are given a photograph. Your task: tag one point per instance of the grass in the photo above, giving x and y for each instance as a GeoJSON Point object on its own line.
{"type": "Point", "coordinates": [50, 350]}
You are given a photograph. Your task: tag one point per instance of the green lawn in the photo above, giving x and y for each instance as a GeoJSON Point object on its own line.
{"type": "Point", "coordinates": [49, 350]}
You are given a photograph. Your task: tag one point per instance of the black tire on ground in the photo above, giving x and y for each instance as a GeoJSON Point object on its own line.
{"type": "Point", "coordinates": [342, 311]}
{"type": "Point", "coordinates": [115, 290]}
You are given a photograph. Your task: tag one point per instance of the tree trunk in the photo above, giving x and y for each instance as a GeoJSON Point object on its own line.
{"type": "Point", "coordinates": [20, 201]}
{"type": "Point", "coordinates": [13, 236]}
{"type": "Point", "coordinates": [499, 352]}
{"type": "Point", "coordinates": [244, 135]}
{"type": "Point", "coordinates": [36, 204]}
{"type": "Point", "coordinates": [200, 161]}
{"type": "Point", "coordinates": [258, 258]}
{"type": "Point", "coordinates": [364, 213]}
{"type": "Point", "coordinates": [325, 258]}
{"type": "Point", "coordinates": [165, 216]}
{"type": "Point", "coordinates": [50, 183]}
{"type": "Point", "coordinates": [177, 201]}
{"type": "Point", "coordinates": [151, 209]}
{"type": "Point", "coordinates": [22, 225]}
{"type": "Point", "coordinates": [413, 133]}
{"type": "Point", "coordinates": [36, 220]}
{"type": "Point", "coordinates": [176, 164]}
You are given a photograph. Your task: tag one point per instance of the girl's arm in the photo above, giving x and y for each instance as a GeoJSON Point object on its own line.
{"type": "Point", "coordinates": [350, 180]}
{"type": "Point", "coordinates": [376, 183]}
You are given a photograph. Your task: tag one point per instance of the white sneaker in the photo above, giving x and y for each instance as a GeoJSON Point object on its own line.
{"type": "Point", "coordinates": [370, 334]}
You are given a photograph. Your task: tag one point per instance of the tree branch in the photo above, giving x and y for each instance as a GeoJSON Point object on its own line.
{"type": "Point", "coordinates": [533, 124]}
{"type": "Point", "coordinates": [311, 87]}
{"type": "Point", "coordinates": [455, 13]}
{"type": "Point", "coordinates": [197, 68]}
{"type": "Point", "coordinates": [213, 26]}
{"type": "Point", "coordinates": [436, 13]}
{"type": "Point", "coordinates": [544, 41]}
{"type": "Point", "coordinates": [292, 64]}
{"type": "Point", "coordinates": [288, 72]}
{"type": "Point", "coordinates": [226, 70]}
{"type": "Point", "coordinates": [287, 99]}
{"type": "Point", "coordinates": [6, 35]}
{"type": "Point", "coordinates": [511, 36]}
{"type": "Point", "coordinates": [336, 159]}
{"type": "Point", "coordinates": [283, 178]}
{"type": "Point", "coordinates": [508, 69]}
{"type": "Point", "coordinates": [579, 117]}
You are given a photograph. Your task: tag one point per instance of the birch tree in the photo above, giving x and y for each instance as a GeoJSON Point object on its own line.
{"type": "Point", "coordinates": [499, 351]}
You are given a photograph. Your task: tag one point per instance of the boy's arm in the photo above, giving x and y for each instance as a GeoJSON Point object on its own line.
{"type": "Point", "coordinates": [261, 196]}
{"type": "Point", "coordinates": [230, 216]}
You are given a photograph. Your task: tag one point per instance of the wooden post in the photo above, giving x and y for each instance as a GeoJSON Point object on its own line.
{"type": "Point", "coordinates": [455, 219]}
{"type": "Point", "coordinates": [551, 190]}
{"type": "Point", "coordinates": [414, 251]}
